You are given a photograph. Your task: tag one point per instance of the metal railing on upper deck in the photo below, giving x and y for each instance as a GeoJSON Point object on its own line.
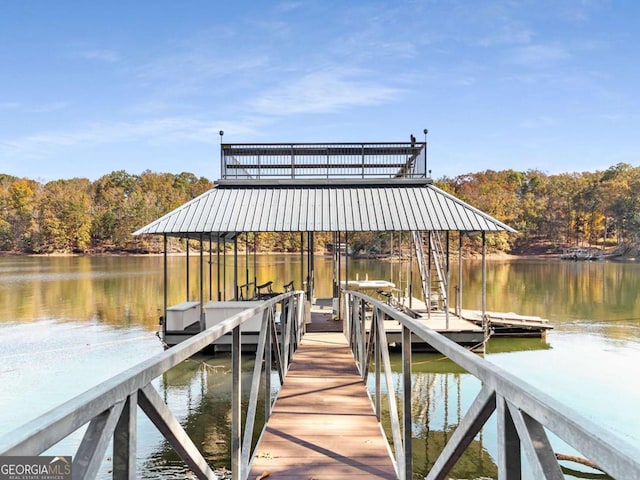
{"type": "Point", "coordinates": [323, 160]}
{"type": "Point", "coordinates": [110, 409]}
{"type": "Point", "coordinates": [524, 413]}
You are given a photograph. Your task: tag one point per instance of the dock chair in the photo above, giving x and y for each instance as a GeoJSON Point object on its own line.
{"type": "Point", "coordinates": [244, 291]}
{"type": "Point", "coordinates": [289, 287]}
{"type": "Point", "coordinates": [265, 291]}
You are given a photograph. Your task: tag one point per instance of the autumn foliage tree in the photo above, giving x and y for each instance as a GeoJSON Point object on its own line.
{"type": "Point", "coordinates": [79, 215]}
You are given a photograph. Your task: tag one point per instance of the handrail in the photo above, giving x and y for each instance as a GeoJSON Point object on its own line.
{"type": "Point", "coordinates": [110, 408]}
{"type": "Point", "coordinates": [524, 413]}
{"type": "Point", "coordinates": [323, 160]}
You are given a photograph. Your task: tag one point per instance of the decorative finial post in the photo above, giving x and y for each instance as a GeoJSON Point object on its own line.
{"type": "Point", "coordinates": [425, 131]}
{"type": "Point", "coordinates": [223, 173]}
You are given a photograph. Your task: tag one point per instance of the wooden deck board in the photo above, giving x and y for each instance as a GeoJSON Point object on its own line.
{"type": "Point", "coordinates": [323, 425]}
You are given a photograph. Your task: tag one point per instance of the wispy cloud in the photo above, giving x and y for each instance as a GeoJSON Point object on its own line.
{"type": "Point", "coordinates": [539, 55]}
{"type": "Point", "coordinates": [323, 92]}
{"type": "Point", "coordinates": [9, 105]}
{"type": "Point", "coordinates": [48, 107]}
{"type": "Point", "coordinates": [41, 108]}
{"type": "Point", "coordinates": [189, 72]}
{"type": "Point", "coordinates": [102, 55]}
{"type": "Point", "coordinates": [543, 121]}
{"type": "Point", "coordinates": [150, 131]}
{"type": "Point", "coordinates": [284, 7]}
{"type": "Point", "coordinates": [509, 34]}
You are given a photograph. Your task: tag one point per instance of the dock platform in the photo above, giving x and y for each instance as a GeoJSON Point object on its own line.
{"type": "Point", "coordinates": [323, 425]}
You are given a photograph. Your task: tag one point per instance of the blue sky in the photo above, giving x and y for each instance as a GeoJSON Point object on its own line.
{"type": "Point", "coordinates": [91, 87]}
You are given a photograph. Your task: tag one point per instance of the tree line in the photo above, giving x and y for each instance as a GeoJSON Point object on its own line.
{"type": "Point", "coordinates": [549, 211]}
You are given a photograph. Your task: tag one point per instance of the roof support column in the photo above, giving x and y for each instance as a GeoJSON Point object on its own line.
{"type": "Point", "coordinates": [164, 292]}
{"type": "Point", "coordinates": [484, 283]}
{"type": "Point", "coordinates": [235, 268]}
{"type": "Point", "coordinates": [218, 269]}
{"type": "Point", "coordinates": [210, 269]}
{"type": "Point", "coordinates": [255, 262]}
{"type": "Point", "coordinates": [224, 270]}
{"type": "Point", "coordinates": [346, 260]}
{"type": "Point", "coordinates": [187, 268]}
{"type": "Point", "coordinates": [202, 322]}
{"type": "Point", "coordinates": [410, 275]}
{"type": "Point", "coordinates": [459, 300]}
{"type": "Point", "coordinates": [246, 261]}
{"type": "Point", "coordinates": [310, 265]}
{"type": "Point", "coordinates": [428, 299]}
{"type": "Point", "coordinates": [336, 247]}
{"type": "Point", "coordinates": [448, 277]}
{"type": "Point", "coordinates": [301, 261]}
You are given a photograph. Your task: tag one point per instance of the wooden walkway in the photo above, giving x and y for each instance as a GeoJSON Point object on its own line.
{"type": "Point", "coordinates": [323, 425]}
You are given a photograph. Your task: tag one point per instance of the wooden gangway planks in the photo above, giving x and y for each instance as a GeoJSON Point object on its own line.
{"type": "Point", "coordinates": [323, 425]}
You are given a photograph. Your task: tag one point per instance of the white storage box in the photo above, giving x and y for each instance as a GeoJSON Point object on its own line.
{"type": "Point", "coordinates": [182, 315]}
{"type": "Point", "coordinates": [216, 312]}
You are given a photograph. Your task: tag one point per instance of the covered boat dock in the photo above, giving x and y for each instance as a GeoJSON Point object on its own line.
{"type": "Point", "coordinates": [339, 189]}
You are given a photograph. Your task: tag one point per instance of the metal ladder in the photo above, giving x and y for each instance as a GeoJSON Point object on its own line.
{"type": "Point", "coordinates": [426, 274]}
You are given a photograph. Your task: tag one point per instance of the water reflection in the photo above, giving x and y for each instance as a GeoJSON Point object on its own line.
{"type": "Point", "coordinates": [560, 290]}
{"type": "Point", "coordinates": [198, 392]}
{"type": "Point", "coordinates": [441, 394]}
{"type": "Point", "coordinates": [123, 291]}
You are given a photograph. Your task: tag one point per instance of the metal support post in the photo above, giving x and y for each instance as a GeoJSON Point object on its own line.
{"type": "Point", "coordinates": [125, 440]}
{"type": "Point", "coordinates": [509, 456]}
{"type": "Point", "coordinates": [406, 403]}
{"type": "Point", "coordinates": [236, 413]}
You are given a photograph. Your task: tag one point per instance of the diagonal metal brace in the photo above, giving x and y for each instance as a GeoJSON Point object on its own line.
{"type": "Point", "coordinates": [94, 443]}
{"type": "Point", "coordinates": [477, 415]}
{"type": "Point", "coordinates": [154, 407]}
{"type": "Point", "coordinates": [536, 445]}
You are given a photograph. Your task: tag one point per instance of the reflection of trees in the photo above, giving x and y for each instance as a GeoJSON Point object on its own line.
{"type": "Point", "coordinates": [605, 291]}
{"type": "Point", "coordinates": [125, 291]}
{"type": "Point", "coordinates": [198, 392]}
{"type": "Point", "coordinates": [439, 400]}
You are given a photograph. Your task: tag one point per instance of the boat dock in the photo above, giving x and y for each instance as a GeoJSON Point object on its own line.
{"type": "Point", "coordinates": [322, 424]}
{"type": "Point", "coordinates": [460, 329]}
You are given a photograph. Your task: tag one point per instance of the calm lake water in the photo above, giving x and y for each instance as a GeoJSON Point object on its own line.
{"type": "Point", "coordinates": [68, 323]}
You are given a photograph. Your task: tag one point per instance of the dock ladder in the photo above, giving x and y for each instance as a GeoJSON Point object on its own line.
{"type": "Point", "coordinates": [432, 268]}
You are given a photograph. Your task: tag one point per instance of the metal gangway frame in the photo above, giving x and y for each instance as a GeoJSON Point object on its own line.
{"type": "Point", "coordinates": [110, 409]}
{"type": "Point", "coordinates": [524, 413]}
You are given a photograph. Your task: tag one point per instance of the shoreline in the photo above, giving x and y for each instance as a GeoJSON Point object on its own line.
{"type": "Point", "coordinates": [489, 256]}
{"type": "Point", "coordinates": [628, 256]}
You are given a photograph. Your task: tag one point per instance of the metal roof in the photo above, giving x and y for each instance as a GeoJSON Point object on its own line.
{"type": "Point", "coordinates": [337, 205]}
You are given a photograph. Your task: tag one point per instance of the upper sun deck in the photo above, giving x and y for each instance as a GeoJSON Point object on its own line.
{"type": "Point", "coordinates": [323, 160]}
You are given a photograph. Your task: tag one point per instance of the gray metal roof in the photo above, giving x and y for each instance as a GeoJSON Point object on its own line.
{"type": "Point", "coordinates": [299, 206]}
